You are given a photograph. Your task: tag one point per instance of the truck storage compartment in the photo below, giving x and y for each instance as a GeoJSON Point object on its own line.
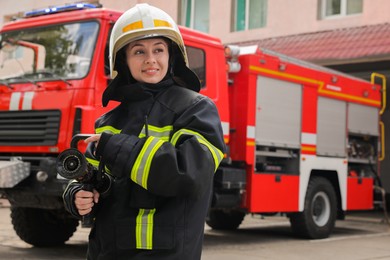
{"type": "Point", "coordinates": [274, 192]}
{"type": "Point", "coordinates": [331, 125]}
{"type": "Point", "coordinates": [360, 193]}
{"type": "Point", "coordinates": [278, 113]}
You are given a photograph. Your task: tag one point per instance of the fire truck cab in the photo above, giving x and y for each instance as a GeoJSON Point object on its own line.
{"type": "Point", "coordinates": [302, 140]}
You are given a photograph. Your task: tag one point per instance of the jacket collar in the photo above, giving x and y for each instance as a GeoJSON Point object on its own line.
{"type": "Point", "coordinates": [119, 90]}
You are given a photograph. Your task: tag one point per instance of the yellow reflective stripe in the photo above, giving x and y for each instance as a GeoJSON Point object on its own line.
{"type": "Point", "coordinates": [135, 175]}
{"type": "Point", "coordinates": [144, 229]}
{"type": "Point", "coordinates": [161, 23]}
{"type": "Point", "coordinates": [215, 152]}
{"type": "Point", "coordinates": [107, 129]}
{"type": "Point", "coordinates": [95, 163]}
{"type": "Point", "coordinates": [133, 26]}
{"type": "Point", "coordinates": [140, 171]}
{"type": "Point", "coordinates": [149, 230]}
{"type": "Point", "coordinates": [161, 132]}
{"type": "Point", "coordinates": [139, 25]}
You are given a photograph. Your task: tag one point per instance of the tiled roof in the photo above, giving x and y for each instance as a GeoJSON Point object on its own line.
{"type": "Point", "coordinates": [356, 43]}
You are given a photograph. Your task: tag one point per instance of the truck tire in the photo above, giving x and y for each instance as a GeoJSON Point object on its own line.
{"type": "Point", "coordinates": [320, 211]}
{"type": "Point", "coordinates": [224, 219]}
{"type": "Point", "coordinates": [43, 227]}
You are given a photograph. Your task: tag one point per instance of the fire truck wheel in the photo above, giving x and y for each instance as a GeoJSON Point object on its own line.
{"type": "Point", "coordinates": [319, 216]}
{"type": "Point", "coordinates": [43, 227]}
{"type": "Point", "coordinates": [224, 219]}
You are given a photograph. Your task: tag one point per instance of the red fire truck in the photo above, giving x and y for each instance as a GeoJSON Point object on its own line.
{"type": "Point", "coordinates": [303, 140]}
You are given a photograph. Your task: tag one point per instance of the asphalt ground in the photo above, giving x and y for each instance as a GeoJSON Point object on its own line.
{"type": "Point", "coordinates": [361, 236]}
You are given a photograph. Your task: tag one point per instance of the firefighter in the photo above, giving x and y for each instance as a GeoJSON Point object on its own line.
{"type": "Point", "coordinates": [161, 144]}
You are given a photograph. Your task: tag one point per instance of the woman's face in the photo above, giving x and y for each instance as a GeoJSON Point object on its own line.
{"type": "Point", "coordinates": [148, 59]}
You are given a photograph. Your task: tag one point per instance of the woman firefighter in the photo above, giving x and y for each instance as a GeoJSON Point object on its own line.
{"type": "Point", "coordinates": [161, 145]}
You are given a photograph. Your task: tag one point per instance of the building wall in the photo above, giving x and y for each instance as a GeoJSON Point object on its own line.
{"type": "Point", "coordinates": [285, 17]}
{"type": "Point", "coordinates": [123, 5]}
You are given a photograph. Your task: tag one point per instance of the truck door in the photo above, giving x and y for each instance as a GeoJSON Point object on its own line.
{"type": "Point", "coordinates": [275, 182]}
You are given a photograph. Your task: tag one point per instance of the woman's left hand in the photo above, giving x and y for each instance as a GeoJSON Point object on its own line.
{"type": "Point", "coordinates": [93, 138]}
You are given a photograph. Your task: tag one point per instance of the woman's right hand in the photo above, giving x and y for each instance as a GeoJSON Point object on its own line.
{"type": "Point", "coordinates": [84, 201]}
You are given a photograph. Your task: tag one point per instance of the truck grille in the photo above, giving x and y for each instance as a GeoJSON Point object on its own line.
{"type": "Point", "coordinates": [29, 127]}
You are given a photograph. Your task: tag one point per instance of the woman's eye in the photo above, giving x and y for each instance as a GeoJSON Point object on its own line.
{"type": "Point", "coordinates": [138, 52]}
{"type": "Point", "coordinates": [159, 50]}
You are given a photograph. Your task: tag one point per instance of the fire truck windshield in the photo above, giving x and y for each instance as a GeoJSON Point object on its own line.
{"type": "Point", "coordinates": [62, 51]}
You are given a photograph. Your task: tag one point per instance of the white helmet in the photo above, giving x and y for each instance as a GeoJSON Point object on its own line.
{"type": "Point", "coordinates": [140, 22]}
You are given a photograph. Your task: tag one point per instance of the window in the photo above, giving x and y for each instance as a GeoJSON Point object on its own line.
{"type": "Point", "coordinates": [48, 52]}
{"type": "Point", "coordinates": [197, 62]}
{"type": "Point", "coordinates": [332, 8]}
{"type": "Point", "coordinates": [249, 14]}
{"type": "Point", "coordinates": [195, 14]}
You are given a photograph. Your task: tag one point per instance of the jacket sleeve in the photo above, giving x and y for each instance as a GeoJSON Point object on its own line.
{"type": "Point", "coordinates": [184, 165]}
{"type": "Point", "coordinates": [68, 197]}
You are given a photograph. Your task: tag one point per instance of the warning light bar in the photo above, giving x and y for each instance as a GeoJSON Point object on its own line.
{"type": "Point", "coordinates": [59, 9]}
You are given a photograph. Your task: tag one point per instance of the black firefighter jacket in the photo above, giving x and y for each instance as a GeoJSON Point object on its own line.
{"type": "Point", "coordinates": [163, 149]}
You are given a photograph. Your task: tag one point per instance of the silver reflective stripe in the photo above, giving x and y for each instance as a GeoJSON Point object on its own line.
{"type": "Point", "coordinates": [140, 171]}
{"type": "Point", "coordinates": [215, 152]}
{"type": "Point", "coordinates": [161, 132]}
{"type": "Point", "coordinates": [144, 229]}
